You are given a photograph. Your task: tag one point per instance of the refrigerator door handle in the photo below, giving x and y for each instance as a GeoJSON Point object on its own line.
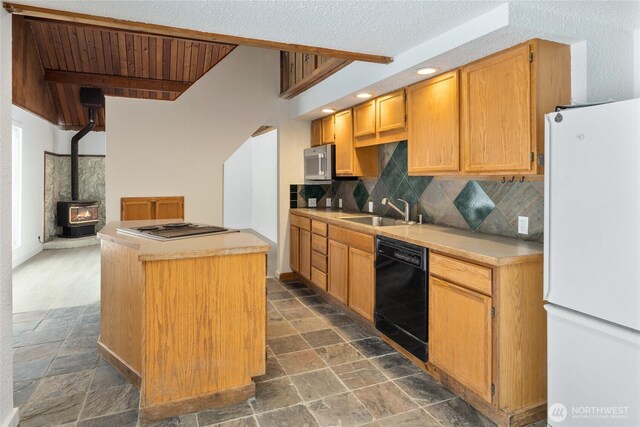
{"type": "Point", "coordinates": [547, 208]}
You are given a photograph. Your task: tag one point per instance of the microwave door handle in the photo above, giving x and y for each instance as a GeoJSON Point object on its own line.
{"type": "Point", "coordinates": [320, 165]}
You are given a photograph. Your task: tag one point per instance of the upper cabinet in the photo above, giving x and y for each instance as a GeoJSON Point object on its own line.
{"type": "Point", "coordinates": [316, 132]}
{"type": "Point", "coordinates": [381, 120]}
{"type": "Point", "coordinates": [328, 131]}
{"type": "Point", "coordinates": [352, 161]}
{"type": "Point", "coordinates": [433, 126]}
{"type": "Point", "coordinates": [364, 119]}
{"type": "Point", "coordinates": [503, 101]}
{"type": "Point", "coordinates": [391, 112]}
{"type": "Point", "coordinates": [487, 118]}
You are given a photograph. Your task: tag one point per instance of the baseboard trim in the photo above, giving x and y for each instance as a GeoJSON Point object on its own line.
{"type": "Point", "coordinates": [286, 277]}
{"type": "Point", "coordinates": [119, 365]}
{"type": "Point", "coordinates": [12, 418]}
{"type": "Point", "coordinates": [26, 257]}
{"type": "Point", "coordinates": [187, 405]}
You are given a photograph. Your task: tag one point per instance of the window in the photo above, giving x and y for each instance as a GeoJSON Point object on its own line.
{"type": "Point", "coordinates": [16, 184]}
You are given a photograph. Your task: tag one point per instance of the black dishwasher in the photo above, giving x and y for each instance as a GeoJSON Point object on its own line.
{"type": "Point", "coordinates": [402, 294]}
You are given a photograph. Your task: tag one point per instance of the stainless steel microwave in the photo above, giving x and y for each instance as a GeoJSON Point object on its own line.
{"type": "Point", "coordinates": [319, 163]}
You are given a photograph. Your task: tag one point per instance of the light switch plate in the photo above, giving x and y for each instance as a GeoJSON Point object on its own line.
{"type": "Point", "coordinates": [340, 203]}
{"type": "Point", "coordinates": [328, 200]}
{"type": "Point", "coordinates": [523, 225]}
{"type": "Point", "coordinates": [370, 207]}
{"type": "Point", "coordinates": [312, 202]}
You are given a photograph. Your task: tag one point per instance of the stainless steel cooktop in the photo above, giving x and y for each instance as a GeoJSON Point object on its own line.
{"type": "Point", "coordinates": [175, 230]}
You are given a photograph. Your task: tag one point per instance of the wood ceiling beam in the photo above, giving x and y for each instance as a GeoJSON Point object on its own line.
{"type": "Point", "coordinates": [114, 82]}
{"type": "Point", "coordinates": [166, 31]}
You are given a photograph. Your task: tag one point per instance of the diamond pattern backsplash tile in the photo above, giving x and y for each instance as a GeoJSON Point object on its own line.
{"type": "Point", "coordinates": [474, 204]}
{"type": "Point", "coordinates": [360, 194]}
{"type": "Point", "coordinates": [489, 207]}
{"type": "Point", "coordinates": [312, 191]}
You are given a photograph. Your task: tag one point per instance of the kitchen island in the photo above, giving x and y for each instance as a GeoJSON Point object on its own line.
{"type": "Point", "coordinates": [184, 320]}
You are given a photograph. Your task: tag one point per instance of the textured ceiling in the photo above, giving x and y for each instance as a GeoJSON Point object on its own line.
{"type": "Point", "coordinates": [382, 27]}
{"type": "Point", "coordinates": [379, 27]}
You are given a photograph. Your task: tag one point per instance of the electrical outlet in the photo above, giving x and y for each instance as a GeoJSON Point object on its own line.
{"type": "Point", "coordinates": [370, 207]}
{"type": "Point", "coordinates": [312, 202]}
{"type": "Point", "coordinates": [328, 200]}
{"type": "Point", "coordinates": [340, 203]}
{"type": "Point", "coordinates": [523, 224]}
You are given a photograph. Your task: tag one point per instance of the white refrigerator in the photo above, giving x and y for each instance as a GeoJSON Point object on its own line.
{"type": "Point", "coordinates": [592, 265]}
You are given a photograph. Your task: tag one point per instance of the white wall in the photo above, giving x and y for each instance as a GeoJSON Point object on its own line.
{"type": "Point", "coordinates": [636, 63]}
{"type": "Point", "coordinates": [293, 138]}
{"type": "Point", "coordinates": [38, 136]}
{"type": "Point", "coordinates": [176, 148]}
{"type": "Point", "coordinates": [238, 189]}
{"type": "Point", "coordinates": [8, 414]}
{"type": "Point", "coordinates": [251, 186]}
{"type": "Point", "coordinates": [264, 208]}
{"type": "Point", "coordinates": [93, 143]}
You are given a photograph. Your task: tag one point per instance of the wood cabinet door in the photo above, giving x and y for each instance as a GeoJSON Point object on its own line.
{"type": "Point", "coordinates": [364, 119]}
{"type": "Point", "coordinates": [294, 248]}
{"type": "Point", "coordinates": [391, 111]}
{"type": "Point", "coordinates": [460, 336]}
{"type": "Point", "coordinates": [169, 208]}
{"type": "Point", "coordinates": [328, 130]}
{"type": "Point", "coordinates": [316, 132]}
{"type": "Point", "coordinates": [362, 282]}
{"type": "Point", "coordinates": [434, 127]}
{"type": "Point", "coordinates": [338, 280]}
{"type": "Point", "coordinates": [136, 209]}
{"type": "Point", "coordinates": [305, 253]}
{"type": "Point", "coordinates": [496, 113]}
{"type": "Point", "coordinates": [344, 143]}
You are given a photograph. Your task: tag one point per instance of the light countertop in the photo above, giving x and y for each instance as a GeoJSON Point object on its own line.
{"type": "Point", "coordinates": [483, 248]}
{"type": "Point", "coordinates": [194, 247]}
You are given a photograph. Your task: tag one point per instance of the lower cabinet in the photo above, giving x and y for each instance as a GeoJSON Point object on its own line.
{"type": "Point", "coordinates": [294, 248]}
{"type": "Point", "coordinates": [460, 334]}
{"type": "Point", "coordinates": [352, 269]}
{"type": "Point", "coordinates": [362, 282]}
{"type": "Point", "coordinates": [305, 254]}
{"type": "Point", "coordinates": [338, 280]}
{"type": "Point", "coordinates": [487, 335]}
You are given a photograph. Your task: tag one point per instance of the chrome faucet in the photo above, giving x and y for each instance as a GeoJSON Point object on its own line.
{"type": "Point", "coordinates": [386, 201]}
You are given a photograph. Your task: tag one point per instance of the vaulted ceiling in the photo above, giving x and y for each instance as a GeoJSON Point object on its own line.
{"type": "Point", "coordinates": [121, 63]}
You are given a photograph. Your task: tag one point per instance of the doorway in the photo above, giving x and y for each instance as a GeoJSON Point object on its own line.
{"type": "Point", "coordinates": [251, 189]}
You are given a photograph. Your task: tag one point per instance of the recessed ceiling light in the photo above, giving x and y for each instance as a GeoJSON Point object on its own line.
{"type": "Point", "coordinates": [364, 95]}
{"type": "Point", "coordinates": [328, 110]}
{"type": "Point", "coordinates": [427, 70]}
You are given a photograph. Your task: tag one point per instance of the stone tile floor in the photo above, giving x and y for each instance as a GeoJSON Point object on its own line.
{"type": "Point", "coordinates": [322, 370]}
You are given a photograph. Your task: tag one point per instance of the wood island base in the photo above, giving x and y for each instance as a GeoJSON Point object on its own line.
{"type": "Point", "coordinates": [183, 320]}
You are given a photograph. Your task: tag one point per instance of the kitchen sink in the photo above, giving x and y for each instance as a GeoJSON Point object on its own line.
{"type": "Point", "coordinates": [376, 221]}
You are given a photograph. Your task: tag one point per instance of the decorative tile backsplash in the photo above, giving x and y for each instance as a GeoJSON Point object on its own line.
{"type": "Point", "coordinates": [490, 207]}
{"type": "Point", "coordinates": [57, 186]}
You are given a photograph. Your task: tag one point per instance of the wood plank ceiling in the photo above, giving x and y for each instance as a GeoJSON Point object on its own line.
{"type": "Point", "coordinates": [122, 63]}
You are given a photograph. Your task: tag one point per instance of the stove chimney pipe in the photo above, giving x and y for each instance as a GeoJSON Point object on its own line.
{"type": "Point", "coordinates": [91, 98]}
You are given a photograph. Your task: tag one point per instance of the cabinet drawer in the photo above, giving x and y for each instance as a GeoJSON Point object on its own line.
{"type": "Point", "coordinates": [319, 278]}
{"type": "Point", "coordinates": [462, 273]}
{"type": "Point", "coordinates": [301, 222]}
{"type": "Point", "coordinates": [361, 241]}
{"type": "Point", "coordinates": [318, 227]}
{"type": "Point", "coordinates": [319, 261]}
{"type": "Point", "coordinates": [319, 244]}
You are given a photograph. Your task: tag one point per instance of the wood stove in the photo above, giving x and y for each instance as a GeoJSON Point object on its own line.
{"type": "Point", "coordinates": [78, 218]}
